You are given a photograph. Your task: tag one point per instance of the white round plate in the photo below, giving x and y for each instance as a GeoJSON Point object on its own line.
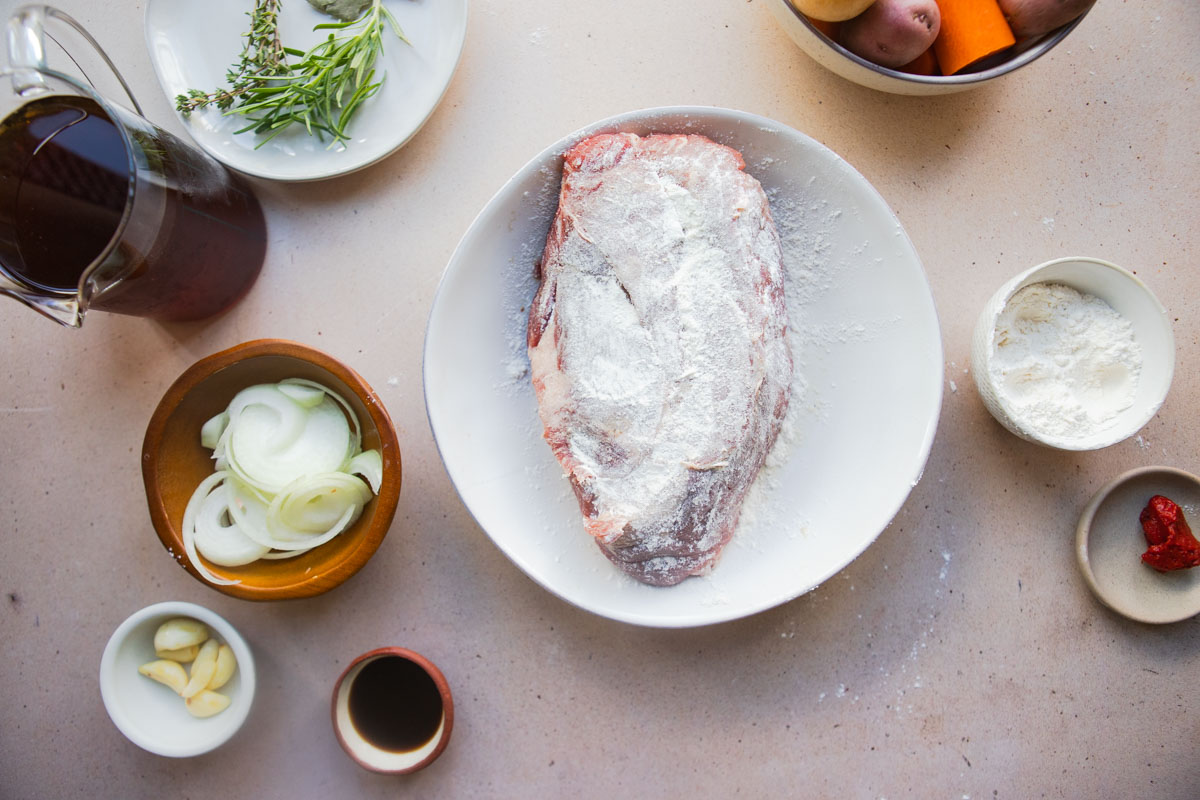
{"type": "Point", "coordinates": [193, 44]}
{"type": "Point", "coordinates": [866, 346]}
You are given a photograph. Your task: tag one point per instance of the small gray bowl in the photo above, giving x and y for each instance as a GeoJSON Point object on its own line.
{"type": "Point", "coordinates": [1109, 543]}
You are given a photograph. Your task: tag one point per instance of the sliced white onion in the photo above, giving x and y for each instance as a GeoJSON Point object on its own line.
{"type": "Point", "coordinates": [218, 537]}
{"type": "Point", "coordinates": [347, 519]}
{"type": "Point", "coordinates": [356, 445]}
{"type": "Point", "coordinates": [306, 395]}
{"type": "Point", "coordinates": [279, 430]}
{"type": "Point", "coordinates": [313, 504]}
{"type": "Point", "coordinates": [210, 432]}
{"type": "Point", "coordinates": [189, 528]}
{"type": "Point", "coordinates": [258, 458]}
{"type": "Point", "coordinates": [249, 512]}
{"type": "Point", "coordinates": [369, 464]}
{"type": "Point", "coordinates": [287, 456]}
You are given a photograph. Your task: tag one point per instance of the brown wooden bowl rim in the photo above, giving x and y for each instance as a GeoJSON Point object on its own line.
{"type": "Point", "coordinates": [385, 501]}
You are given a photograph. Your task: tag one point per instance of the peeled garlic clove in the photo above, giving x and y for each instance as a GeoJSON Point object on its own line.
{"type": "Point", "coordinates": [178, 633]}
{"type": "Point", "coordinates": [202, 669]}
{"type": "Point", "coordinates": [226, 664]}
{"type": "Point", "coordinates": [182, 655]}
{"type": "Point", "coordinates": [207, 703]}
{"type": "Point", "coordinates": [168, 673]}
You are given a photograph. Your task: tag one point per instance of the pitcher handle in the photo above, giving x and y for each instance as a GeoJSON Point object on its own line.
{"type": "Point", "coordinates": [27, 46]}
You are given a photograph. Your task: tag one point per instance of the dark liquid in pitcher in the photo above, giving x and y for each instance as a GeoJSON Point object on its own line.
{"type": "Point", "coordinates": [196, 237]}
{"type": "Point", "coordinates": [395, 705]}
{"type": "Point", "coordinates": [64, 202]}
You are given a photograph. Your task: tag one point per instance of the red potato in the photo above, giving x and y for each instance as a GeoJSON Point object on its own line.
{"type": "Point", "coordinates": [891, 33]}
{"type": "Point", "coordinates": [1035, 17]}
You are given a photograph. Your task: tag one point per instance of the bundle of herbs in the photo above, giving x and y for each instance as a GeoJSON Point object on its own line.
{"type": "Point", "coordinates": [275, 86]}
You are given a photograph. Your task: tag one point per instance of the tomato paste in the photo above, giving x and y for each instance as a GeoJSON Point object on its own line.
{"type": "Point", "coordinates": [1172, 545]}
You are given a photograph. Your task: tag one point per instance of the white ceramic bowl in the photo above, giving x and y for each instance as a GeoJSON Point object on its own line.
{"type": "Point", "coordinates": [865, 327]}
{"type": "Point", "coordinates": [151, 715]}
{"type": "Point", "coordinates": [841, 61]}
{"type": "Point", "coordinates": [1129, 297]}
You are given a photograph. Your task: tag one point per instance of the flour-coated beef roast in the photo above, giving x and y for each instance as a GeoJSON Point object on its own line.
{"type": "Point", "coordinates": [657, 341]}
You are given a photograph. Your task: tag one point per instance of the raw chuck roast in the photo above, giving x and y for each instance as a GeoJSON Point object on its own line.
{"type": "Point", "coordinates": [657, 341]}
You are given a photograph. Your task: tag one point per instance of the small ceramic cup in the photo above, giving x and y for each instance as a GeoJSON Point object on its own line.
{"type": "Point", "coordinates": [392, 711]}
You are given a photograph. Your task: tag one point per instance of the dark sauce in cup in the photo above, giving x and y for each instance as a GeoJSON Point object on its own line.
{"type": "Point", "coordinates": [395, 704]}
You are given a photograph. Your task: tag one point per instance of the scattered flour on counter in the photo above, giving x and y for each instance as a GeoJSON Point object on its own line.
{"type": "Point", "coordinates": [1064, 363]}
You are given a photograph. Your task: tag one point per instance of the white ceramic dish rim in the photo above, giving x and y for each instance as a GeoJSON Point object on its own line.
{"type": "Point", "coordinates": [1027, 56]}
{"type": "Point", "coordinates": [237, 712]}
{"type": "Point", "coordinates": [267, 164]}
{"type": "Point", "coordinates": [635, 119]}
{"type": "Point", "coordinates": [1129, 424]}
{"type": "Point", "coordinates": [1083, 535]}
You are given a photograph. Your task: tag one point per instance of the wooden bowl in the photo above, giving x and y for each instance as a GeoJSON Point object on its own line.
{"type": "Point", "coordinates": [174, 463]}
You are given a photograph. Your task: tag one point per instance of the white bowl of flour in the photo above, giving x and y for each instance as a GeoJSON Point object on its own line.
{"type": "Point", "coordinates": [1076, 354]}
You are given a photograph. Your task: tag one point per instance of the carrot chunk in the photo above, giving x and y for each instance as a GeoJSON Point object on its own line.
{"type": "Point", "coordinates": [971, 30]}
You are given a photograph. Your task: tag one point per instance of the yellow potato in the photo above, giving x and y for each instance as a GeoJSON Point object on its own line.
{"type": "Point", "coordinates": [831, 10]}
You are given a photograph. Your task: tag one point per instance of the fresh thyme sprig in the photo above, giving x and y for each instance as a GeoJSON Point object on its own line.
{"type": "Point", "coordinates": [321, 91]}
{"type": "Point", "coordinates": [262, 58]}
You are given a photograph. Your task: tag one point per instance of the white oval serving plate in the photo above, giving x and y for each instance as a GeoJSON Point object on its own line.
{"type": "Point", "coordinates": [866, 346]}
{"type": "Point", "coordinates": [193, 45]}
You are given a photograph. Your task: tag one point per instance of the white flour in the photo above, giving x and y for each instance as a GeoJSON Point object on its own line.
{"type": "Point", "coordinates": [1065, 364]}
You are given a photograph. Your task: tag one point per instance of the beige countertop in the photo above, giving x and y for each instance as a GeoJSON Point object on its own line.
{"type": "Point", "coordinates": [960, 656]}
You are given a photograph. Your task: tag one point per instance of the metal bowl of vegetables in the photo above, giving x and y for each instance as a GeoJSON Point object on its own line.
{"type": "Point", "coordinates": [927, 47]}
{"type": "Point", "coordinates": [272, 471]}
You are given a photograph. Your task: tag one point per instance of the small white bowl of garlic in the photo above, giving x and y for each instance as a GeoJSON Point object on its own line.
{"type": "Point", "coordinates": [1075, 354]}
{"type": "Point", "coordinates": [177, 679]}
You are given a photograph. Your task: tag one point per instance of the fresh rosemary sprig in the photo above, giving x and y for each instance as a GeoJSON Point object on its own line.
{"type": "Point", "coordinates": [321, 91]}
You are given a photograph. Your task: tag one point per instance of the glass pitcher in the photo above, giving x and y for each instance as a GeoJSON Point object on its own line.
{"type": "Point", "coordinates": [101, 209]}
